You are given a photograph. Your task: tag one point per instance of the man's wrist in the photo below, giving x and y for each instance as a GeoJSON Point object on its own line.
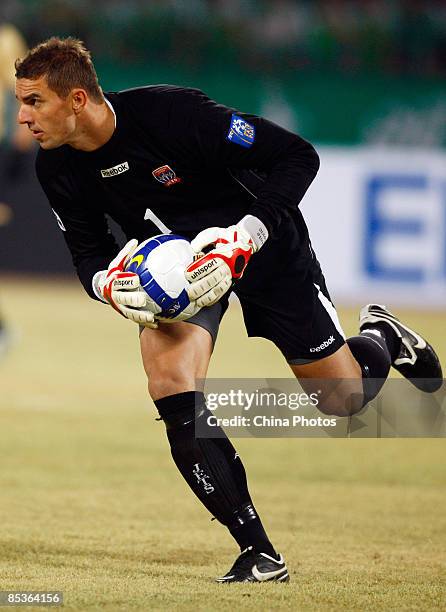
{"type": "Point", "coordinates": [96, 282]}
{"type": "Point", "coordinates": [256, 229]}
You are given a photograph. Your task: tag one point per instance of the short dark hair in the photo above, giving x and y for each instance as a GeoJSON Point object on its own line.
{"type": "Point", "coordinates": [66, 64]}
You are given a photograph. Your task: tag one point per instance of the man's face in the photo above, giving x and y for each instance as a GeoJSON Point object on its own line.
{"type": "Point", "coordinates": [51, 119]}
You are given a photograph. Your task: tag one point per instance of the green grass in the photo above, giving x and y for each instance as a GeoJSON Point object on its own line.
{"type": "Point", "coordinates": [91, 504]}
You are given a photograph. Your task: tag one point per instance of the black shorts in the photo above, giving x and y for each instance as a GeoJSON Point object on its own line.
{"type": "Point", "coordinates": [284, 299]}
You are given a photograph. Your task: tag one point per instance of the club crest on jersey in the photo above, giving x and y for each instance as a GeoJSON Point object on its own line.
{"type": "Point", "coordinates": [241, 132]}
{"type": "Point", "coordinates": [166, 176]}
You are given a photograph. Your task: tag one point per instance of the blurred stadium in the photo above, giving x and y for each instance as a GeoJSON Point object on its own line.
{"type": "Point", "coordinates": [90, 502]}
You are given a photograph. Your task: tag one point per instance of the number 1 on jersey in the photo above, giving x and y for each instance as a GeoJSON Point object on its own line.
{"type": "Point", "coordinates": [150, 215]}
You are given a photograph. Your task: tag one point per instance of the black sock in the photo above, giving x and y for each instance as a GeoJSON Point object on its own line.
{"type": "Point", "coordinates": [212, 469]}
{"type": "Point", "coordinates": [372, 353]}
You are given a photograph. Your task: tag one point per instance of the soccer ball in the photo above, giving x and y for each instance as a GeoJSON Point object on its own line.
{"type": "Point", "coordinates": [160, 263]}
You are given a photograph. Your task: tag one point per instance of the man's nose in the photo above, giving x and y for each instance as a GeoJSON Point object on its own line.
{"type": "Point", "coordinates": [24, 115]}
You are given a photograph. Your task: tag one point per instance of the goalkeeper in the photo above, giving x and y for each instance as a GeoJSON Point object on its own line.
{"type": "Point", "coordinates": [165, 158]}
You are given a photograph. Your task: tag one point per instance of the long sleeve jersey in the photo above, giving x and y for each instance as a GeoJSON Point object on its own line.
{"type": "Point", "coordinates": [177, 161]}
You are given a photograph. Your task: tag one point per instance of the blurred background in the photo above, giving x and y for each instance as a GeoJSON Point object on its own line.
{"type": "Point", "coordinates": [364, 81]}
{"type": "Point", "coordinates": [90, 500]}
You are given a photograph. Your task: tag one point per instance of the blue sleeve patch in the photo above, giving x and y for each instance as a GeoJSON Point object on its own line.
{"type": "Point", "coordinates": [241, 132]}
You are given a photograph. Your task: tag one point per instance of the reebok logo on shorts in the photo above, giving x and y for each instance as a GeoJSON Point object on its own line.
{"type": "Point", "coordinates": [115, 170]}
{"type": "Point", "coordinates": [323, 346]}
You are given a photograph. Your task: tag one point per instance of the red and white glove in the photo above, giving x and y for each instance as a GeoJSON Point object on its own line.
{"type": "Point", "coordinates": [122, 290]}
{"type": "Point", "coordinates": [210, 276]}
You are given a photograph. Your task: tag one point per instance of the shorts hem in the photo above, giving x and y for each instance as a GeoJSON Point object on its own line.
{"type": "Point", "coordinates": [305, 360]}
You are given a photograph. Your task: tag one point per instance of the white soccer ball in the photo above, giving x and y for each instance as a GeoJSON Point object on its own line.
{"type": "Point", "coordinates": [160, 263]}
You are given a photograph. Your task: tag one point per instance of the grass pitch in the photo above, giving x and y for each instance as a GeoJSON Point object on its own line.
{"type": "Point", "coordinates": [91, 503]}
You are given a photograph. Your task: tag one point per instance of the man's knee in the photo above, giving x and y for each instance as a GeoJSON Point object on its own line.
{"type": "Point", "coordinates": [344, 401]}
{"type": "Point", "coordinates": [337, 379]}
{"type": "Point", "coordinates": [169, 379]}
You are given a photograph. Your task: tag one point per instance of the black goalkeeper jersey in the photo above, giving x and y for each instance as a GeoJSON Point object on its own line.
{"type": "Point", "coordinates": [177, 161]}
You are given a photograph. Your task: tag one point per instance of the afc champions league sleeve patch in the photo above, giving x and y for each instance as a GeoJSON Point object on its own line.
{"type": "Point", "coordinates": [241, 132]}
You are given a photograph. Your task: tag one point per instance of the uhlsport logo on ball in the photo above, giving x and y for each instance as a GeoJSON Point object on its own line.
{"type": "Point", "coordinates": [160, 263]}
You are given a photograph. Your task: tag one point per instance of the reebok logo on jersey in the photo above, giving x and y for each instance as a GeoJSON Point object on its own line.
{"type": "Point", "coordinates": [323, 346]}
{"type": "Point", "coordinates": [115, 170]}
{"type": "Point", "coordinates": [202, 270]}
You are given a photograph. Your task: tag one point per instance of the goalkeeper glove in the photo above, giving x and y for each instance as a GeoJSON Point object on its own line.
{"type": "Point", "coordinates": [122, 290]}
{"type": "Point", "coordinates": [211, 275]}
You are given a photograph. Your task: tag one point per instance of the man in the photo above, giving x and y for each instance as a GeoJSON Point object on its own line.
{"type": "Point", "coordinates": [166, 158]}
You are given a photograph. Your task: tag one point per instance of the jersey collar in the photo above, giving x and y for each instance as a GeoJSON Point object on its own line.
{"type": "Point", "coordinates": [110, 106]}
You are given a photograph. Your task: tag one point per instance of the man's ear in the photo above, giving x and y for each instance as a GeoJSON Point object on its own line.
{"type": "Point", "coordinates": [78, 100]}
